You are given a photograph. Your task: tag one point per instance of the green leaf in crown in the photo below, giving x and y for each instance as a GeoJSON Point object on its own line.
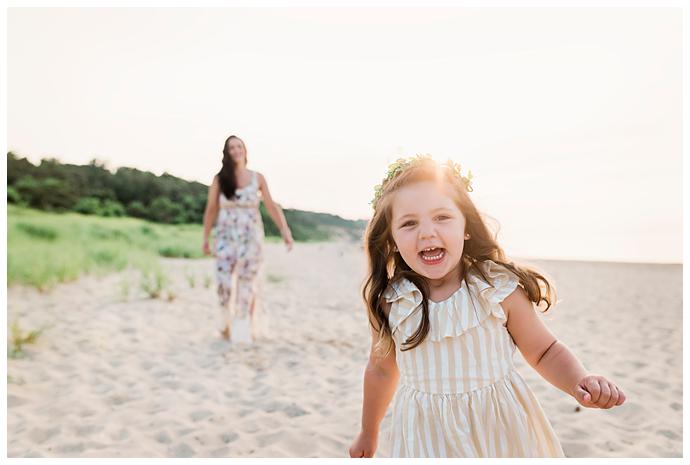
{"type": "Point", "coordinates": [402, 164]}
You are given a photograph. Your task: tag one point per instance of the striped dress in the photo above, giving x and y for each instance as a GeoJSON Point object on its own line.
{"type": "Point", "coordinates": [459, 393]}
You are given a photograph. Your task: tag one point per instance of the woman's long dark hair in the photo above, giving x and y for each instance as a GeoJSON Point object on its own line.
{"type": "Point", "coordinates": [226, 175]}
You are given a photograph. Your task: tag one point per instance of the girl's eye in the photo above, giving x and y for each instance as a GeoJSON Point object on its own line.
{"type": "Point", "coordinates": [408, 223]}
{"type": "Point", "coordinates": [443, 217]}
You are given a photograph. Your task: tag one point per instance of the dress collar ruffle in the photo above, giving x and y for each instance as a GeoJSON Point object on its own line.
{"type": "Point", "coordinates": [458, 313]}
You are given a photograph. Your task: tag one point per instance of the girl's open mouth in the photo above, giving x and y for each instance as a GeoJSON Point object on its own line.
{"type": "Point", "coordinates": [432, 255]}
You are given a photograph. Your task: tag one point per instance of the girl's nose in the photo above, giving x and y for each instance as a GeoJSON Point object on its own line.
{"type": "Point", "coordinates": [426, 230]}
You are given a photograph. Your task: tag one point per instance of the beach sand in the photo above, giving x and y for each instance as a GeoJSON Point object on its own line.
{"type": "Point", "coordinates": [116, 374]}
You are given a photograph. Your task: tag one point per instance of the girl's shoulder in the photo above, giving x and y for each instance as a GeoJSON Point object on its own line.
{"type": "Point", "coordinates": [495, 282]}
{"type": "Point", "coordinates": [401, 288]}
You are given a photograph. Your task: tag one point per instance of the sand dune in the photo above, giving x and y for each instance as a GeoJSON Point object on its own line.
{"type": "Point", "coordinates": [116, 376]}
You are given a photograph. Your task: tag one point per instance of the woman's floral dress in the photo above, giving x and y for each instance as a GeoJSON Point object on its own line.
{"type": "Point", "coordinates": [239, 234]}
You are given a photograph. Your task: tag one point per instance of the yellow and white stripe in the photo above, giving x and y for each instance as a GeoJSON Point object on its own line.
{"type": "Point", "coordinates": [459, 393]}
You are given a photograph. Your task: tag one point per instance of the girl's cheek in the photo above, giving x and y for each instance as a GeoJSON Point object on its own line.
{"type": "Point", "coordinates": [453, 230]}
{"type": "Point", "coordinates": [409, 241]}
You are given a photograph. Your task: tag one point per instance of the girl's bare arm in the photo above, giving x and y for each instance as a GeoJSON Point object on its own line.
{"type": "Point", "coordinates": [552, 359]}
{"type": "Point", "coordinates": [380, 380]}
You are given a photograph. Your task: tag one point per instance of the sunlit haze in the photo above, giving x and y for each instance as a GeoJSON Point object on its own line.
{"type": "Point", "coordinates": [570, 119]}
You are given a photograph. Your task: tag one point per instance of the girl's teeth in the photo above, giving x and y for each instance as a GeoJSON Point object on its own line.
{"type": "Point", "coordinates": [434, 257]}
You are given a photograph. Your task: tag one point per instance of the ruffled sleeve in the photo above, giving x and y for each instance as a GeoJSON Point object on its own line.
{"type": "Point", "coordinates": [405, 300]}
{"type": "Point", "coordinates": [503, 281]}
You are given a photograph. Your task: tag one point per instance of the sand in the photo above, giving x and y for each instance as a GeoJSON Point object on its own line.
{"type": "Point", "coordinates": [117, 374]}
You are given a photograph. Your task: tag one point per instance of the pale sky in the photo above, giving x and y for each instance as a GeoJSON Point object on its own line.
{"type": "Point", "coordinates": [570, 119]}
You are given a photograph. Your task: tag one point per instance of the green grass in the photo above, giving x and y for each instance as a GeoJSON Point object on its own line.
{"type": "Point", "coordinates": [19, 338]}
{"type": "Point", "coordinates": [48, 248]}
{"type": "Point", "coordinates": [153, 281]}
{"type": "Point", "coordinates": [274, 278]}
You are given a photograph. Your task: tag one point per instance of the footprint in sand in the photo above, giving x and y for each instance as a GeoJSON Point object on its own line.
{"type": "Point", "coordinates": [119, 399]}
{"type": "Point", "coordinates": [669, 434]}
{"type": "Point", "coordinates": [243, 413]}
{"type": "Point", "coordinates": [200, 415]}
{"type": "Point", "coordinates": [163, 437]}
{"type": "Point", "coordinates": [41, 435]}
{"type": "Point", "coordinates": [120, 435]}
{"type": "Point", "coordinates": [608, 446]}
{"type": "Point", "coordinates": [220, 453]}
{"type": "Point", "coordinates": [268, 439]}
{"type": "Point", "coordinates": [14, 401]}
{"type": "Point", "coordinates": [195, 388]}
{"type": "Point", "coordinates": [656, 384]}
{"type": "Point", "coordinates": [71, 448]}
{"type": "Point", "coordinates": [575, 434]}
{"type": "Point", "coordinates": [87, 430]}
{"type": "Point", "coordinates": [291, 410]}
{"type": "Point", "coordinates": [102, 388]}
{"type": "Point", "coordinates": [229, 437]}
{"type": "Point", "coordinates": [181, 450]}
{"type": "Point", "coordinates": [575, 449]}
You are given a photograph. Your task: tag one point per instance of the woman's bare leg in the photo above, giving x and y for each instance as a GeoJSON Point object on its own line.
{"type": "Point", "coordinates": [253, 317]}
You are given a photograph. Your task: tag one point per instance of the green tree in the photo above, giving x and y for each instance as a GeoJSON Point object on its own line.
{"type": "Point", "coordinates": [88, 206]}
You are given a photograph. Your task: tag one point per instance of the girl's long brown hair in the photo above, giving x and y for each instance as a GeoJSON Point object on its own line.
{"type": "Point", "coordinates": [387, 266]}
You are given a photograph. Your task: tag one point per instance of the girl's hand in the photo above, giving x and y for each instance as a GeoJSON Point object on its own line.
{"type": "Point", "coordinates": [595, 391]}
{"type": "Point", "coordinates": [206, 249]}
{"type": "Point", "coordinates": [287, 238]}
{"type": "Point", "coordinates": [364, 446]}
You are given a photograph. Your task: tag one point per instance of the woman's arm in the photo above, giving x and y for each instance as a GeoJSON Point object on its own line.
{"type": "Point", "coordinates": [552, 359]}
{"type": "Point", "coordinates": [380, 380]}
{"type": "Point", "coordinates": [211, 211]}
{"type": "Point", "coordinates": [274, 210]}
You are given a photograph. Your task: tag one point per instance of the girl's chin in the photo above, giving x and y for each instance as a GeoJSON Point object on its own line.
{"type": "Point", "coordinates": [437, 271]}
{"type": "Point", "coordinates": [432, 274]}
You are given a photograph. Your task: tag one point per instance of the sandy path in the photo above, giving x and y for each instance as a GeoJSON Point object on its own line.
{"type": "Point", "coordinates": [125, 377]}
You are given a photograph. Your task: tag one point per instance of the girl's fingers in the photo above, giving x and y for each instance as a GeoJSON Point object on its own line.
{"type": "Point", "coordinates": [605, 395]}
{"type": "Point", "coordinates": [621, 397]}
{"type": "Point", "coordinates": [582, 396]}
{"type": "Point", "coordinates": [614, 397]}
{"type": "Point", "coordinates": [594, 389]}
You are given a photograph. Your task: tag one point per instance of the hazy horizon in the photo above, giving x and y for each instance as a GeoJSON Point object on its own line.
{"type": "Point", "coordinates": [570, 119]}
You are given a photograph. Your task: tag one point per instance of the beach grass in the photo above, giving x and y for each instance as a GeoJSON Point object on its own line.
{"type": "Point", "coordinates": [45, 248]}
{"type": "Point", "coordinates": [20, 338]}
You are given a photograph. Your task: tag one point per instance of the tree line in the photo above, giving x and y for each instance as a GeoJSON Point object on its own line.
{"type": "Point", "coordinates": [93, 189]}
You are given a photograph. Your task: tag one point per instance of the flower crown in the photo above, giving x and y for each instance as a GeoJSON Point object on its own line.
{"type": "Point", "coordinates": [403, 164]}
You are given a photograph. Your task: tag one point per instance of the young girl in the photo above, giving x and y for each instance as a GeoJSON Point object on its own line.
{"type": "Point", "coordinates": [447, 310]}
